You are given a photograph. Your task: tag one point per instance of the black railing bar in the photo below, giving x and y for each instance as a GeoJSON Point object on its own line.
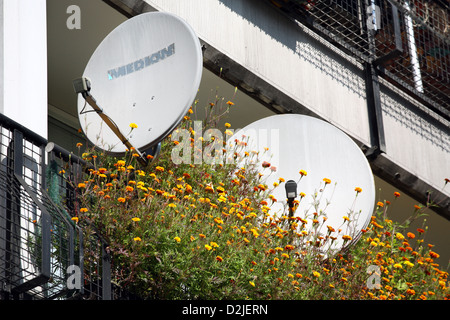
{"type": "Point", "coordinates": [66, 155]}
{"type": "Point", "coordinates": [45, 270]}
{"type": "Point", "coordinates": [30, 135]}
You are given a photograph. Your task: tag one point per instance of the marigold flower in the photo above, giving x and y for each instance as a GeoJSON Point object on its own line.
{"type": "Point", "coordinates": [79, 144]}
{"type": "Point", "coordinates": [160, 169]}
{"type": "Point", "coordinates": [219, 258]}
{"type": "Point", "coordinates": [208, 247]}
{"type": "Point", "coordinates": [252, 283]}
{"type": "Point", "coordinates": [410, 235]}
{"type": "Point", "coordinates": [326, 180]}
{"type": "Point", "coordinates": [73, 219]}
{"type": "Point", "coordinates": [419, 230]}
{"type": "Point", "coordinates": [316, 274]}
{"type": "Point", "coordinates": [136, 219]}
{"type": "Point", "coordinates": [177, 239]}
{"type": "Point", "coordinates": [230, 103]}
{"type": "Point", "coordinates": [303, 173]}
{"type": "Point", "coordinates": [121, 199]}
{"type": "Point", "coordinates": [358, 189]}
{"type": "Point", "coordinates": [227, 125]}
{"type": "Point", "coordinates": [399, 236]}
{"type": "Point", "coordinates": [346, 237]}
{"type": "Point", "coordinates": [396, 194]}
{"type": "Point", "coordinates": [81, 185]}
{"type": "Point", "coordinates": [201, 235]}
{"type": "Point", "coordinates": [265, 164]}
{"type": "Point", "coordinates": [380, 204]}
{"type": "Point", "coordinates": [133, 125]}
{"type": "Point", "coordinates": [137, 239]}
{"type": "Point", "coordinates": [84, 210]}
{"type": "Point", "coordinates": [129, 188]}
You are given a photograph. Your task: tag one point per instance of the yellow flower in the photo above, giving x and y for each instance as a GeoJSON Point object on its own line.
{"type": "Point", "coordinates": [303, 173]}
{"type": "Point", "coordinates": [136, 219]}
{"type": "Point", "coordinates": [121, 163]}
{"type": "Point", "coordinates": [230, 103]}
{"type": "Point", "coordinates": [208, 247]}
{"type": "Point", "coordinates": [75, 219]}
{"type": "Point", "coordinates": [177, 239]}
{"type": "Point", "coordinates": [133, 125]}
{"type": "Point", "coordinates": [83, 210]}
{"type": "Point", "coordinates": [316, 274]}
{"type": "Point", "coordinates": [172, 205]}
{"type": "Point", "coordinates": [81, 185]}
{"type": "Point", "coordinates": [252, 283]}
{"type": "Point", "coordinates": [398, 266]}
{"type": "Point", "coordinates": [399, 236]}
{"type": "Point", "coordinates": [137, 239]}
{"type": "Point", "coordinates": [214, 244]}
{"type": "Point", "coordinates": [326, 180]}
{"type": "Point", "coordinates": [158, 168]}
{"type": "Point", "coordinates": [227, 125]}
{"type": "Point", "coordinates": [222, 199]}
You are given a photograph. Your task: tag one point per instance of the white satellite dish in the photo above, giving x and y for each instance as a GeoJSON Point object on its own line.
{"type": "Point", "coordinates": [298, 142]}
{"type": "Point", "coordinates": [146, 71]}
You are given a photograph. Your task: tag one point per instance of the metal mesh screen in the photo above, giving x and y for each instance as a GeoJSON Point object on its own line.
{"type": "Point", "coordinates": [39, 242]}
{"type": "Point", "coordinates": [408, 41]}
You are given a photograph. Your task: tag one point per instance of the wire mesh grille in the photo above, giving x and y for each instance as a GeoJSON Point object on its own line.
{"type": "Point", "coordinates": [39, 241]}
{"type": "Point", "coordinates": [408, 40]}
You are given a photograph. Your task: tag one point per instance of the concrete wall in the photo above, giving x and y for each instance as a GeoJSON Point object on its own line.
{"type": "Point", "coordinates": [23, 64]}
{"type": "Point", "coordinates": [289, 69]}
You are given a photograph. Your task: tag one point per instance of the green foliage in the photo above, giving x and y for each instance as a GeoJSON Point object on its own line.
{"type": "Point", "coordinates": [205, 232]}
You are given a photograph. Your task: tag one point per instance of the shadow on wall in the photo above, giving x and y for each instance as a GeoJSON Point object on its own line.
{"type": "Point", "coordinates": [309, 47]}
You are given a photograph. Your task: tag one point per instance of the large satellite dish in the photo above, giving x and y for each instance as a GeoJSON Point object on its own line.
{"type": "Point", "coordinates": [146, 71]}
{"type": "Point", "coordinates": [322, 151]}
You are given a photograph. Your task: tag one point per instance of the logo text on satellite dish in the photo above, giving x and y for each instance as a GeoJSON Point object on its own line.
{"type": "Point", "coordinates": [141, 63]}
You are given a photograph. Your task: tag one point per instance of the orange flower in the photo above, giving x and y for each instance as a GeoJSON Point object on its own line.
{"type": "Point", "coordinates": [219, 258]}
{"type": "Point", "coordinates": [396, 194]}
{"type": "Point", "coordinates": [358, 189]}
{"type": "Point", "coordinates": [410, 235]}
{"type": "Point", "coordinates": [380, 204]}
{"type": "Point", "coordinates": [326, 180]}
{"type": "Point", "coordinates": [121, 199]}
{"type": "Point", "coordinates": [230, 103]}
{"type": "Point", "coordinates": [83, 210]}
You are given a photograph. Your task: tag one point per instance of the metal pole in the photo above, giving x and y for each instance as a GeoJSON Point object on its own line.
{"type": "Point", "coordinates": [413, 49]}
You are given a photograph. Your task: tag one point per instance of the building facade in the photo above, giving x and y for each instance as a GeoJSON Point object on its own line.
{"type": "Point", "coordinates": [379, 70]}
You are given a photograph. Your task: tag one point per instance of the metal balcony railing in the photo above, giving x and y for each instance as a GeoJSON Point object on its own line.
{"type": "Point", "coordinates": [41, 248]}
{"type": "Point", "coordinates": [408, 41]}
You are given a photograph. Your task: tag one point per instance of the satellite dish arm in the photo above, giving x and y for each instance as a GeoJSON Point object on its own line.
{"type": "Point", "coordinates": [82, 85]}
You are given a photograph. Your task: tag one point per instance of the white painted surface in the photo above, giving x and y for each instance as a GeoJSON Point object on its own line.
{"type": "Point", "coordinates": [23, 65]}
{"type": "Point", "coordinates": [146, 71]}
{"type": "Point", "coordinates": [297, 142]}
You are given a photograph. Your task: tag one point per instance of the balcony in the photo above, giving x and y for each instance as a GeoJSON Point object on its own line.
{"type": "Point", "coordinates": [408, 42]}
{"type": "Point", "coordinates": [44, 254]}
